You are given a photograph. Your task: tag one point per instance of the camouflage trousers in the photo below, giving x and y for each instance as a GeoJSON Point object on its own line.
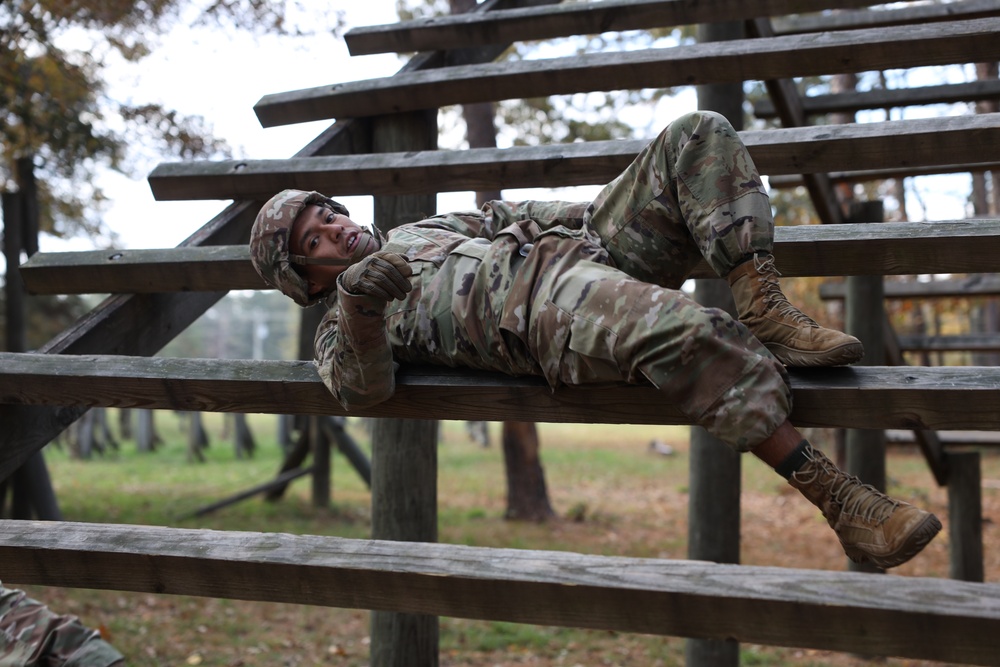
{"type": "Point", "coordinates": [692, 193]}
{"type": "Point", "coordinates": [31, 634]}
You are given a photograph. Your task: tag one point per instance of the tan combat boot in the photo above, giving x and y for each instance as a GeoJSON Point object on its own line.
{"type": "Point", "coordinates": [871, 526]}
{"type": "Point", "coordinates": [788, 333]}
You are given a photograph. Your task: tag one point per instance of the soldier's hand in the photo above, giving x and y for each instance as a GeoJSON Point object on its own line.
{"type": "Point", "coordinates": [383, 275]}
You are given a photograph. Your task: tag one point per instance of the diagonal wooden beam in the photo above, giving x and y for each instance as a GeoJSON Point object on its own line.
{"type": "Point", "coordinates": [789, 108]}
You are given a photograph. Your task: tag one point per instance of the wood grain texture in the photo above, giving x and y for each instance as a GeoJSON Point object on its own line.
{"type": "Point", "coordinates": [881, 98]}
{"type": "Point", "coordinates": [934, 619]}
{"type": "Point", "coordinates": [788, 56]}
{"type": "Point", "coordinates": [960, 246]}
{"type": "Point", "coordinates": [864, 397]}
{"type": "Point", "coordinates": [563, 20]}
{"type": "Point", "coordinates": [977, 285]}
{"type": "Point", "coordinates": [887, 145]}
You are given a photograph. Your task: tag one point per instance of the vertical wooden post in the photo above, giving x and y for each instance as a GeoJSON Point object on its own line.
{"type": "Point", "coordinates": [32, 487]}
{"type": "Point", "coordinates": [319, 443]}
{"type": "Point", "coordinates": [714, 505]}
{"type": "Point", "coordinates": [404, 508]}
{"type": "Point", "coordinates": [404, 452]}
{"type": "Point", "coordinates": [865, 320]}
{"type": "Point", "coordinates": [965, 516]}
{"type": "Point", "coordinates": [13, 211]}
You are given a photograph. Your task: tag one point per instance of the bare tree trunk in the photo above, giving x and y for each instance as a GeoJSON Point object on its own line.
{"type": "Point", "coordinates": [527, 496]}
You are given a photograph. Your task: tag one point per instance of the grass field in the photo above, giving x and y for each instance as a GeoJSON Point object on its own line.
{"type": "Point", "coordinates": [612, 493]}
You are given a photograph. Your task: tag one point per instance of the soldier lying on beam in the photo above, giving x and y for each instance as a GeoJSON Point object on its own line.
{"type": "Point", "coordinates": [590, 292]}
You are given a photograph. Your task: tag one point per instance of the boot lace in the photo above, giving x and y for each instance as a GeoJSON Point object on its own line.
{"type": "Point", "coordinates": [855, 498]}
{"type": "Point", "coordinates": [773, 297]}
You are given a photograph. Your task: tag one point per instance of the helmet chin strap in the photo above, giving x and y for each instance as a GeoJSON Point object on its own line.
{"type": "Point", "coordinates": [364, 238]}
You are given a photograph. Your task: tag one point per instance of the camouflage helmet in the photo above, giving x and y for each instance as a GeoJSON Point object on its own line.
{"type": "Point", "coordinates": [269, 248]}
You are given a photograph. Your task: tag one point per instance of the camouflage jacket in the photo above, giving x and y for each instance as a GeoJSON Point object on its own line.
{"type": "Point", "coordinates": [31, 634]}
{"type": "Point", "coordinates": [473, 278]}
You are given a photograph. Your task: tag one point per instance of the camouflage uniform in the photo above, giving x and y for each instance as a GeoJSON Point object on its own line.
{"type": "Point", "coordinates": [31, 634]}
{"type": "Point", "coordinates": [584, 292]}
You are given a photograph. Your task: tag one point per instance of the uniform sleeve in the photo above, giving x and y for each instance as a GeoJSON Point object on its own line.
{"type": "Point", "coordinates": [471, 224]}
{"type": "Point", "coordinates": [545, 214]}
{"type": "Point", "coordinates": [353, 355]}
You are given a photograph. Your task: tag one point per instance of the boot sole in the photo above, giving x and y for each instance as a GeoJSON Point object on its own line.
{"type": "Point", "coordinates": [925, 531]}
{"type": "Point", "coordinates": [838, 356]}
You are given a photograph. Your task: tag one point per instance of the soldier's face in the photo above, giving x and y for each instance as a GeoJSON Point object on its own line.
{"type": "Point", "coordinates": [321, 232]}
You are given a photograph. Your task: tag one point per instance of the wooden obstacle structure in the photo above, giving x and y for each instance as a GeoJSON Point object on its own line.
{"type": "Point", "coordinates": [385, 148]}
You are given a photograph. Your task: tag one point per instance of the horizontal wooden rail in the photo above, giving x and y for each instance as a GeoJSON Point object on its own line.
{"type": "Point", "coordinates": [914, 13]}
{"type": "Point", "coordinates": [987, 342]}
{"type": "Point", "coordinates": [695, 64]}
{"type": "Point", "coordinates": [899, 144]}
{"type": "Point", "coordinates": [564, 20]}
{"type": "Point", "coordinates": [966, 246]}
{"type": "Point", "coordinates": [890, 615]}
{"type": "Point", "coordinates": [948, 438]}
{"type": "Point", "coordinates": [881, 98]}
{"type": "Point", "coordinates": [987, 285]}
{"type": "Point", "coordinates": [870, 175]}
{"type": "Point", "coordinates": [857, 397]}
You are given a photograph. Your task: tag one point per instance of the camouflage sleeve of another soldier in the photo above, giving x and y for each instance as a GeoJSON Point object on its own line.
{"type": "Point", "coordinates": [32, 634]}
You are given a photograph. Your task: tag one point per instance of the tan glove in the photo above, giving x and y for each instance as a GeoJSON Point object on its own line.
{"type": "Point", "coordinates": [382, 275]}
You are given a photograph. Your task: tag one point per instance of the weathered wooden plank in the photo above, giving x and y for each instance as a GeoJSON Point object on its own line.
{"type": "Point", "coordinates": [863, 397]}
{"type": "Point", "coordinates": [949, 438]}
{"type": "Point", "coordinates": [870, 175]}
{"type": "Point", "coordinates": [978, 285]}
{"type": "Point", "coordinates": [563, 20]}
{"type": "Point", "coordinates": [694, 64]}
{"type": "Point", "coordinates": [899, 144]}
{"type": "Point", "coordinates": [952, 343]}
{"type": "Point", "coordinates": [880, 98]}
{"type": "Point", "coordinates": [914, 13]}
{"type": "Point", "coordinates": [963, 246]}
{"type": "Point", "coordinates": [935, 619]}
{"type": "Point", "coordinates": [181, 269]}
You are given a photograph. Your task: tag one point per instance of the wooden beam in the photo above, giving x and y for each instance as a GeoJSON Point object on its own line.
{"type": "Point", "coordinates": [863, 397]}
{"type": "Point", "coordinates": [869, 175]}
{"type": "Point", "coordinates": [949, 438]}
{"type": "Point", "coordinates": [899, 248]}
{"type": "Point", "coordinates": [564, 20]}
{"type": "Point", "coordinates": [691, 64]}
{"type": "Point", "coordinates": [952, 343]}
{"type": "Point", "coordinates": [917, 617]}
{"type": "Point", "coordinates": [917, 13]}
{"type": "Point", "coordinates": [988, 285]}
{"type": "Point", "coordinates": [878, 98]}
{"type": "Point", "coordinates": [900, 144]}
{"type": "Point", "coordinates": [181, 269]}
